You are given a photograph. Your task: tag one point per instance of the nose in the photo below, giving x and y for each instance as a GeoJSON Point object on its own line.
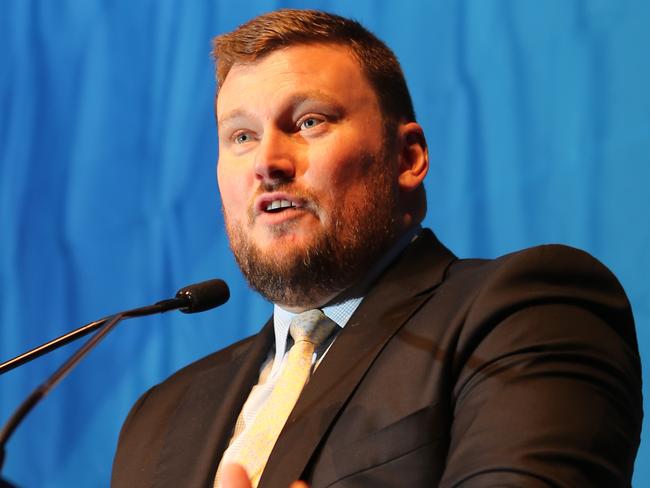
{"type": "Point", "coordinates": [275, 159]}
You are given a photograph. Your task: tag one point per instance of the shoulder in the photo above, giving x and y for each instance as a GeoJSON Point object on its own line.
{"type": "Point", "coordinates": [181, 379]}
{"type": "Point", "coordinates": [143, 433]}
{"type": "Point", "coordinates": [549, 297]}
{"type": "Point", "coordinates": [555, 263]}
{"type": "Point", "coordinates": [543, 298]}
{"type": "Point", "coordinates": [472, 297]}
{"type": "Point", "coordinates": [161, 400]}
{"type": "Point", "coordinates": [540, 274]}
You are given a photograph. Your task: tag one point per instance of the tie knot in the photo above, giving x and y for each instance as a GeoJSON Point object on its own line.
{"type": "Point", "coordinates": [312, 326]}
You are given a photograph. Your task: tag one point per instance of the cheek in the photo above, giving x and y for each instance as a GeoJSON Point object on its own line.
{"type": "Point", "coordinates": [343, 167]}
{"type": "Point", "coordinates": [334, 166]}
{"type": "Point", "coordinates": [232, 188]}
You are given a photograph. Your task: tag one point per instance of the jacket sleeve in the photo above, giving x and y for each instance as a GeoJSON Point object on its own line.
{"type": "Point", "coordinates": [547, 381]}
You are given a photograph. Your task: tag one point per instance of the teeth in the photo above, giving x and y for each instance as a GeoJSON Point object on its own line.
{"type": "Point", "coordinates": [276, 204]}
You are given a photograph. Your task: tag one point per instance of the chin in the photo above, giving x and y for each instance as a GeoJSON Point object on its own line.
{"type": "Point", "coordinates": [286, 251]}
{"type": "Point", "coordinates": [279, 236]}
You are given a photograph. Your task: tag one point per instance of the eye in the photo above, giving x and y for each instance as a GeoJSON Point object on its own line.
{"type": "Point", "coordinates": [242, 138]}
{"type": "Point", "coordinates": [309, 123]}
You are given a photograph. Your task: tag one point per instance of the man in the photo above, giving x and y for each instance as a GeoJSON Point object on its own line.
{"type": "Point", "coordinates": [520, 371]}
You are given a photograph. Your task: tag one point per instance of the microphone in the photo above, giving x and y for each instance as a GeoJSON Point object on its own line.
{"type": "Point", "coordinates": [198, 297]}
{"type": "Point", "coordinates": [203, 296]}
{"type": "Point", "coordinates": [191, 299]}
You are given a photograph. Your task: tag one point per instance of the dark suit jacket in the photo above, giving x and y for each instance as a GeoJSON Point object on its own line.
{"type": "Point", "coordinates": [519, 371]}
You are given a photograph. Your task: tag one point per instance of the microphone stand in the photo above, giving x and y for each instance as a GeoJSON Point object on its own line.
{"type": "Point", "coordinates": [51, 345]}
{"type": "Point", "coordinates": [186, 300]}
{"type": "Point", "coordinates": [109, 324]}
{"type": "Point", "coordinates": [191, 299]}
{"type": "Point", "coordinates": [44, 388]}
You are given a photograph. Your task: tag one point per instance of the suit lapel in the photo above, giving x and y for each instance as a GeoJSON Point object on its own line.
{"type": "Point", "coordinates": [403, 288]}
{"type": "Point", "coordinates": [207, 413]}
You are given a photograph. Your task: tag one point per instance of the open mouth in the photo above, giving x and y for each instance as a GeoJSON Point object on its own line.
{"type": "Point", "coordinates": [280, 203]}
{"type": "Point", "coordinates": [277, 206]}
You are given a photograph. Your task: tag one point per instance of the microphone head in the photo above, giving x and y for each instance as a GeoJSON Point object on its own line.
{"type": "Point", "coordinates": [204, 296]}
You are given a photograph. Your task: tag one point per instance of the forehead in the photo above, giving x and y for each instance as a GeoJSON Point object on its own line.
{"type": "Point", "coordinates": [329, 69]}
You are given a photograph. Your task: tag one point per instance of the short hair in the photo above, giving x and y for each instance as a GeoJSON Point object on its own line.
{"type": "Point", "coordinates": [286, 27]}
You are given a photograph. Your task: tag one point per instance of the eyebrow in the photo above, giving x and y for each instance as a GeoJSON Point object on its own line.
{"type": "Point", "coordinates": [293, 102]}
{"type": "Point", "coordinates": [233, 114]}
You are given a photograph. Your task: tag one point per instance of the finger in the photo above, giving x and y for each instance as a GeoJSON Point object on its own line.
{"type": "Point", "coordinates": [299, 484]}
{"type": "Point", "coordinates": [234, 476]}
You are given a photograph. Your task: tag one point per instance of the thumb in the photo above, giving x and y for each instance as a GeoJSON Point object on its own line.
{"type": "Point", "coordinates": [234, 476]}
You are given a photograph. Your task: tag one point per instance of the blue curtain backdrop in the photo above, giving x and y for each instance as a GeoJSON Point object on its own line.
{"type": "Point", "coordinates": [538, 120]}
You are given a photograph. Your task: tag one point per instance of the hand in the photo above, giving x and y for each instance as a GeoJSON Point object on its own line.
{"type": "Point", "coordinates": [235, 476]}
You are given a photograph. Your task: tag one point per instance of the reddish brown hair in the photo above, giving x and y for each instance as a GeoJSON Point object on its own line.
{"type": "Point", "coordinates": [287, 27]}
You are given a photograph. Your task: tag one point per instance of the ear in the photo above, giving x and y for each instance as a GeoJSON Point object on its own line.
{"type": "Point", "coordinates": [413, 156]}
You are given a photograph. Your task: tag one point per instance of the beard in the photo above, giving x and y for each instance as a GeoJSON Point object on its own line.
{"type": "Point", "coordinates": [337, 256]}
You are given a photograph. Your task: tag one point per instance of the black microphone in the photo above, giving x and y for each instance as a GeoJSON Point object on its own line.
{"type": "Point", "coordinates": [194, 298]}
{"type": "Point", "coordinates": [203, 296]}
{"type": "Point", "coordinates": [198, 297]}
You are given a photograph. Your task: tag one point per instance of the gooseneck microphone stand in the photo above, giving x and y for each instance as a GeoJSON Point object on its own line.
{"type": "Point", "coordinates": [44, 388]}
{"type": "Point", "coordinates": [191, 299]}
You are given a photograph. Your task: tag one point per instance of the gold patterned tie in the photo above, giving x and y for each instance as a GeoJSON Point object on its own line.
{"type": "Point", "coordinates": [308, 329]}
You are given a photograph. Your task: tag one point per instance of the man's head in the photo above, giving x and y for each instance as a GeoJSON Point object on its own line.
{"type": "Point", "coordinates": [302, 125]}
